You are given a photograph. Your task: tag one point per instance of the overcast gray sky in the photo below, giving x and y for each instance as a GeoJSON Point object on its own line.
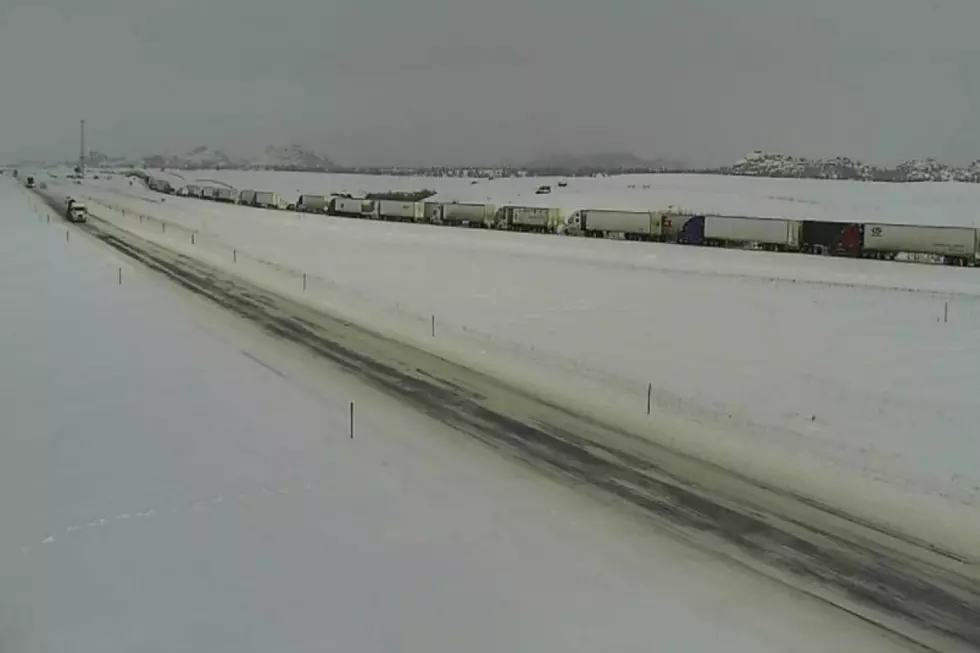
{"type": "Point", "coordinates": [442, 81]}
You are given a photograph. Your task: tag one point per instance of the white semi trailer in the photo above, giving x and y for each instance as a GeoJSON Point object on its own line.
{"type": "Point", "coordinates": [399, 211]}
{"type": "Point", "coordinates": [355, 207]}
{"type": "Point", "coordinates": [776, 234]}
{"type": "Point", "coordinates": [528, 218]}
{"type": "Point", "coordinates": [246, 197]}
{"type": "Point", "coordinates": [267, 199]}
{"type": "Point", "coordinates": [474, 215]}
{"type": "Point", "coordinates": [312, 203]}
{"type": "Point", "coordinates": [632, 225]}
{"type": "Point", "coordinates": [958, 244]}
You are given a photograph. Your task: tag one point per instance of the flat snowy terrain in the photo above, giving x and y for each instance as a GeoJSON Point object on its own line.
{"type": "Point", "coordinates": [953, 204]}
{"type": "Point", "coordinates": [171, 482]}
{"type": "Point", "coordinates": [839, 377]}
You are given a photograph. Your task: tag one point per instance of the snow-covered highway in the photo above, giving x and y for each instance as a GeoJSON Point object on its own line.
{"type": "Point", "coordinates": [172, 480]}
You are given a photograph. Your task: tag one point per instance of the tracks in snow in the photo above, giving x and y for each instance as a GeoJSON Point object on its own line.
{"type": "Point", "coordinates": [905, 585]}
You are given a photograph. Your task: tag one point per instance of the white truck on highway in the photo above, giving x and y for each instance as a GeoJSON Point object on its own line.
{"type": "Point", "coordinates": [246, 197]}
{"type": "Point", "coordinates": [75, 211]}
{"type": "Point", "coordinates": [632, 225]}
{"type": "Point", "coordinates": [312, 204]}
{"type": "Point", "coordinates": [225, 194]}
{"type": "Point", "coordinates": [766, 233]}
{"type": "Point", "coordinates": [958, 244]}
{"type": "Point", "coordinates": [473, 215]}
{"type": "Point", "coordinates": [399, 211]}
{"type": "Point", "coordinates": [267, 199]}
{"type": "Point", "coordinates": [528, 218]}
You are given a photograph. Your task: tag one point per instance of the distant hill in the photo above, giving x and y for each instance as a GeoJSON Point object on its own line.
{"type": "Point", "coordinates": [754, 164]}
{"type": "Point", "coordinates": [767, 164]}
{"type": "Point", "coordinates": [290, 157]}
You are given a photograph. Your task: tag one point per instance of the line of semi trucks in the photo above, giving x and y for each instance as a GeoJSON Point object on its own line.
{"type": "Point", "coordinates": [951, 245]}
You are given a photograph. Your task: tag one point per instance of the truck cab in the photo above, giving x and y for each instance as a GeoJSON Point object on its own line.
{"type": "Point", "coordinates": [77, 212]}
{"type": "Point", "coordinates": [572, 226]}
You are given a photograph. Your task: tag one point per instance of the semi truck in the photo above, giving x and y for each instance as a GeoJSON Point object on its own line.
{"type": "Point", "coordinates": [399, 211]}
{"type": "Point", "coordinates": [354, 207]}
{"type": "Point", "coordinates": [733, 231]}
{"type": "Point", "coordinates": [601, 223]}
{"type": "Point", "coordinates": [528, 218]}
{"type": "Point", "coordinates": [312, 204]}
{"type": "Point", "coordinates": [75, 211]}
{"type": "Point", "coordinates": [474, 215]}
{"type": "Point", "coordinates": [246, 197]}
{"type": "Point", "coordinates": [958, 245]}
{"type": "Point", "coordinates": [225, 194]}
{"type": "Point", "coordinates": [267, 199]}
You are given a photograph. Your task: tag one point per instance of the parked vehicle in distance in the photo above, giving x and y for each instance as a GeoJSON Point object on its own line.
{"type": "Point", "coordinates": [958, 245]}
{"type": "Point", "coordinates": [246, 197]}
{"type": "Point", "coordinates": [312, 204]}
{"type": "Point", "coordinates": [951, 245]}
{"type": "Point", "coordinates": [602, 223]}
{"type": "Point", "coordinates": [834, 238]}
{"type": "Point", "coordinates": [469, 214]}
{"type": "Point", "coordinates": [268, 200]}
{"type": "Point", "coordinates": [528, 218]}
{"type": "Point", "coordinates": [399, 211]}
{"type": "Point", "coordinates": [351, 207]}
{"type": "Point", "coordinates": [225, 194]}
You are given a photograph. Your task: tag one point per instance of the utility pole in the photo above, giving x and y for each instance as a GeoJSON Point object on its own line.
{"type": "Point", "coordinates": [81, 154]}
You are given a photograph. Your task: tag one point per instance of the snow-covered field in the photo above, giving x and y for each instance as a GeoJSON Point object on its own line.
{"type": "Point", "coordinates": [951, 204]}
{"type": "Point", "coordinates": [170, 482]}
{"type": "Point", "coordinates": [838, 376]}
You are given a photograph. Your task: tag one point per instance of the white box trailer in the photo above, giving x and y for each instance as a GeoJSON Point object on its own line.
{"type": "Point", "coordinates": [226, 194]}
{"type": "Point", "coordinates": [953, 242]}
{"type": "Point", "coordinates": [474, 214]}
{"type": "Point", "coordinates": [267, 199]}
{"type": "Point", "coordinates": [192, 190]}
{"type": "Point", "coordinates": [633, 225]}
{"type": "Point", "coordinates": [209, 193]}
{"type": "Point", "coordinates": [312, 203]}
{"type": "Point", "coordinates": [352, 206]}
{"type": "Point", "coordinates": [397, 210]}
{"type": "Point", "coordinates": [768, 232]}
{"type": "Point", "coordinates": [528, 218]}
{"type": "Point", "coordinates": [246, 197]}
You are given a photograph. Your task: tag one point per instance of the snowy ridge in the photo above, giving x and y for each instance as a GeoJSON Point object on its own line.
{"type": "Point", "coordinates": [203, 157]}
{"type": "Point", "coordinates": [765, 164]}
